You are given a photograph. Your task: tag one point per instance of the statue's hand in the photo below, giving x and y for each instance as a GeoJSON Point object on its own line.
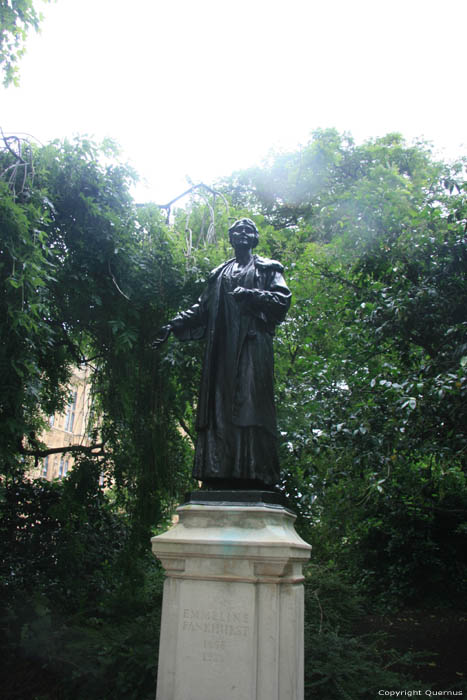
{"type": "Point", "coordinates": [241, 293]}
{"type": "Point", "coordinates": [162, 336]}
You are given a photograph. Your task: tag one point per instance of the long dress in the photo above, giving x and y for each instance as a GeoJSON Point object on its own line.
{"type": "Point", "coordinates": [236, 419]}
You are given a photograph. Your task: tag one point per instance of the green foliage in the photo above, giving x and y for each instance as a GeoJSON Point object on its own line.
{"type": "Point", "coordinates": [409, 543]}
{"type": "Point", "coordinates": [54, 534]}
{"type": "Point", "coordinates": [34, 361]}
{"type": "Point", "coordinates": [370, 380]}
{"type": "Point", "coordinates": [370, 363]}
{"type": "Point", "coordinates": [340, 664]}
{"type": "Point", "coordinates": [79, 607]}
{"type": "Point", "coordinates": [17, 17]}
{"type": "Point", "coordinates": [87, 278]}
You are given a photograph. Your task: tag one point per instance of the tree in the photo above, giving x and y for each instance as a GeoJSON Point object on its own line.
{"type": "Point", "coordinates": [88, 278]}
{"type": "Point", "coordinates": [371, 360]}
{"type": "Point", "coordinates": [370, 384]}
{"type": "Point", "coordinates": [17, 17]}
{"type": "Point", "coordinates": [376, 233]}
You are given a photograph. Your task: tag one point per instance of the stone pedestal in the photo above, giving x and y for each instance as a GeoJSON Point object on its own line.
{"type": "Point", "coordinates": [232, 615]}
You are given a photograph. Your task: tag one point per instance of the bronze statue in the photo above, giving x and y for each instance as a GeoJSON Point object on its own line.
{"type": "Point", "coordinates": [245, 299]}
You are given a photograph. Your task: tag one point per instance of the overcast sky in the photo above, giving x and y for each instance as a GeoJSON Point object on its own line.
{"type": "Point", "coordinates": [200, 88]}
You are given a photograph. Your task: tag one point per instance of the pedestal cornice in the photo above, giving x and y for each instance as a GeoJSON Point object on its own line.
{"type": "Point", "coordinates": [233, 542]}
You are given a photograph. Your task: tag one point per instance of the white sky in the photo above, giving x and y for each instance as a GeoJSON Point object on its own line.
{"type": "Point", "coordinates": [200, 88]}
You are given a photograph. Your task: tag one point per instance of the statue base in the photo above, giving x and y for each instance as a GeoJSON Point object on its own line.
{"type": "Point", "coordinates": [232, 615]}
{"type": "Point", "coordinates": [230, 497]}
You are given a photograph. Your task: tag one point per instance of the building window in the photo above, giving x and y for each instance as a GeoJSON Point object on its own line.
{"type": "Point", "coordinates": [45, 467]}
{"type": "Point", "coordinates": [63, 467]}
{"type": "Point", "coordinates": [70, 414]}
{"type": "Point", "coordinates": [90, 429]}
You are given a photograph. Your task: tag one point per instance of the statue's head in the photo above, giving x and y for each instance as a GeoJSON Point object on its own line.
{"type": "Point", "coordinates": [246, 226]}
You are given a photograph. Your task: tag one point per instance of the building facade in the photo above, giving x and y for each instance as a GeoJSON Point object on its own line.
{"type": "Point", "coordinates": [72, 427]}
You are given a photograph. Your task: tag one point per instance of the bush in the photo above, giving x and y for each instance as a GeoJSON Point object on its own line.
{"type": "Point", "coordinates": [80, 611]}
{"type": "Point", "coordinates": [410, 546]}
{"type": "Point", "coordinates": [340, 665]}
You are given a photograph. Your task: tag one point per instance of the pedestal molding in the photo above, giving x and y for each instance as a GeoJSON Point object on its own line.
{"type": "Point", "coordinates": [237, 579]}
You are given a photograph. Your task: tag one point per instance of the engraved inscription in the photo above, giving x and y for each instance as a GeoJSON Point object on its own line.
{"type": "Point", "coordinates": [219, 622]}
{"type": "Point", "coordinates": [220, 629]}
{"type": "Point", "coordinates": [213, 650]}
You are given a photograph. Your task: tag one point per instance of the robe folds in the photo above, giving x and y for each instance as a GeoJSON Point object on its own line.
{"type": "Point", "coordinates": [236, 420]}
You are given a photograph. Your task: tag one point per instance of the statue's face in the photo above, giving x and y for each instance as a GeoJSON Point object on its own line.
{"type": "Point", "coordinates": [243, 236]}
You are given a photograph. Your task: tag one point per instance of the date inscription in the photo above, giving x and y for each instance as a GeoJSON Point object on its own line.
{"type": "Point", "coordinates": [220, 629]}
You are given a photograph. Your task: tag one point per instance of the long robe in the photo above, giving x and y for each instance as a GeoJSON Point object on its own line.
{"type": "Point", "coordinates": [236, 420]}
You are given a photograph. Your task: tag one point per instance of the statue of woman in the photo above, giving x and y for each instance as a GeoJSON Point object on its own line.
{"type": "Point", "coordinates": [245, 299]}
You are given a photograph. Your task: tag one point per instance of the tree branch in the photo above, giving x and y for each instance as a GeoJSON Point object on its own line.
{"type": "Point", "coordinates": [87, 449]}
{"type": "Point", "coordinates": [186, 429]}
{"type": "Point", "coordinates": [329, 274]}
{"type": "Point", "coordinates": [20, 161]}
{"type": "Point", "coordinates": [168, 206]}
{"type": "Point", "coordinates": [115, 282]}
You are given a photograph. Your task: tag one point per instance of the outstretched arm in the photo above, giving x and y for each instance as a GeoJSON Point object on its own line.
{"type": "Point", "coordinates": [162, 336]}
{"type": "Point", "coordinates": [187, 325]}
